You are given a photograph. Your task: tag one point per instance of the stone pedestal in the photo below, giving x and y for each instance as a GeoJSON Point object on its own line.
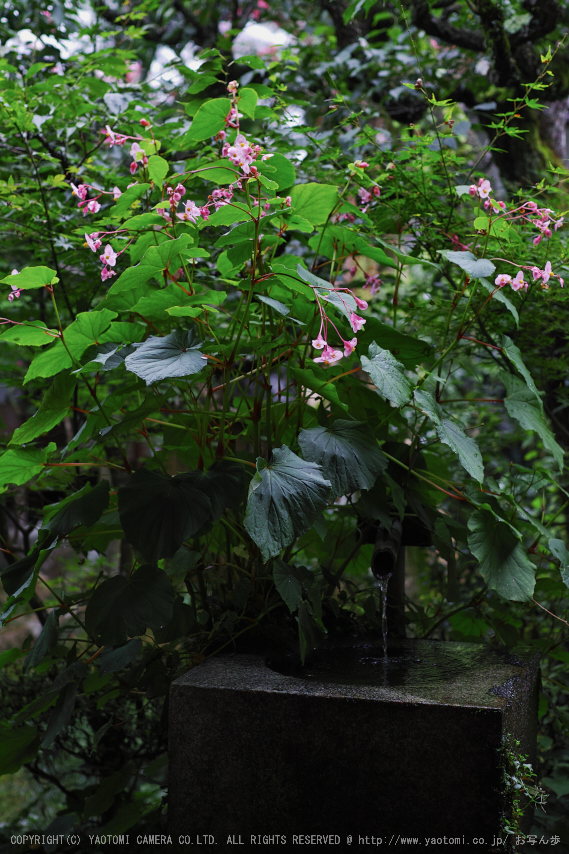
{"type": "Point", "coordinates": [414, 751]}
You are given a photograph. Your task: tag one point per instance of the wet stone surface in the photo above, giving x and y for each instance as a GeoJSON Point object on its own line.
{"type": "Point", "coordinates": [351, 743]}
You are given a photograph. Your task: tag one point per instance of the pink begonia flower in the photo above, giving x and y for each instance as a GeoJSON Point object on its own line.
{"type": "Point", "coordinates": [473, 190]}
{"type": "Point", "coordinates": [241, 153]}
{"type": "Point", "coordinates": [205, 213]}
{"type": "Point", "coordinates": [109, 256]}
{"type": "Point", "coordinates": [319, 343]}
{"type": "Point", "coordinates": [356, 322]}
{"type": "Point", "coordinates": [267, 206]}
{"type": "Point", "coordinates": [365, 195]}
{"type": "Point", "coordinates": [134, 73]}
{"type": "Point", "coordinates": [377, 192]}
{"type": "Point", "coordinates": [537, 240]}
{"type": "Point", "coordinates": [110, 135]}
{"type": "Point", "coordinates": [374, 284]}
{"type": "Point", "coordinates": [531, 206]}
{"type": "Point", "coordinates": [232, 87]}
{"type": "Point", "coordinates": [484, 189]}
{"type": "Point", "coordinates": [546, 273]}
{"type": "Point", "coordinates": [133, 167]}
{"type": "Point", "coordinates": [288, 201]}
{"type": "Point", "coordinates": [349, 346]}
{"type": "Point", "coordinates": [518, 283]}
{"type": "Point", "coordinates": [362, 164]}
{"type": "Point", "coordinates": [498, 206]}
{"type": "Point", "coordinates": [136, 151]}
{"type": "Point", "coordinates": [15, 291]}
{"type": "Point", "coordinates": [559, 223]}
{"type": "Point", "coordinates": [80, 191]}
{"type": "Point", "coordinates": [329, 356]}
{"type": "Point", "coordinates": [536, 273]}
{"type": "Point", "coordinates": [502, 279]}
{"type": "Point", "coordinates": [92, 207]}
{"type": "Point", "coordinates": [116, 194]}
{"type": "Point", "coordinates": [262, 4]}
{"type": "Point", "coordinates": [361, 303]}
{"type": "Point", "coordinates": [561, 281]}
{"type": "Point", "coordinates": [145, 123]}
{"type": "Point", "coordinates": [106, 273]}
{"type": "Point", "coordinates": [191, 212]}
{"type": "Point", "coordinates": [92, 241]}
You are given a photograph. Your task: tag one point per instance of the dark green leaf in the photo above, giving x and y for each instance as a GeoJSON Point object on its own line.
{"type": "Point", "coordinates": [61, 714]}
{"type": "Point", "coordinates": [287, 585]}
{"type": "Point", "coordinates": [387, 375]}
{"type": "Point", "coordinates": [17, 746]}
{"type": "Point", "coordinates": [83, 508]}
{"type": "Point", "coordinates": [347, 453]}
{"type": "Point", "coordinates": [521, 404]}
{"type": "Point", "coordinates": [473, 267]}
{"type": "Point", "coordinates": [514, 355]}
{"type": "Point", "coordinates": [46, 641]}
{"type": "Point", "coordinates": [123, 607]}
{"type": "Point", "coordinates": [53, 408]}
{"type": "Point", "coordinates": [504, 564]}
{"type": "Point", "coordinates": [128, 197]}
{"type": "Point", "coordinates": [159, 512]}
{"type": "Point", "coordinates": [175, 355]}
{"type": "Point", "coordinates": [112, 660]}
{"type": "Point", "coordinates": [285, 498]}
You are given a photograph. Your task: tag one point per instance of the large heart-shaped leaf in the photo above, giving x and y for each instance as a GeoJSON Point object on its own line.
{"type": "Point", "coordinates": [504, 564]}
{"type": "Point", "coordinates": [82, 508]}
{"type": "Point", "coordinates": [347, 453]}
{"type": "Point", "coordinates": [175, 355]}
{"type": "Point", "coordinates": [210, 118]}
{"type": "Point", "coordinates": [387, 374]}
{"type": "Point", "coordinates": [285, 498]}
{"type": "Point", "coordinates": [223, 483]}
{"type": "Point", "coordinates": [53, 408]}
{"type": "Point", "coordinates": [159, 512]}
{"type": "Point", "coordinates": [124, 606]}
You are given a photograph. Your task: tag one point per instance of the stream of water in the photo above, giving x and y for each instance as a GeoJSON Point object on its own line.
{"type": "Point", "coordinates": [382, 582]}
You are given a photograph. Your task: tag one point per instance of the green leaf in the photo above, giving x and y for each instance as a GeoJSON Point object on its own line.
{"type": "Point", "coordinates": [452, 435]}
{"type": "Point", "coordinates": [129, 197]}
{"type": "Point", "coordinates": [85, 331]}
{"type": "Point", "coordinates": [515, 357]}
{"type": "Point", "coordinates": [247, 102]}
{"type": "Point", "coordinates": [83, 508]}
{"type": "Point", "coordinates": [327, 390]}
{"type": "Point", "coordinates": [559, 550]}
{"type": "Point", "coordinates": [504, 564]}
{"type": "Point", "coordinates": [387, 375]}
{"type": "Point", "coordinates": [210, 119]}
{"type": "Point", "coordinates": [314, 202]}
{"type": "Point", "coordinates": [473, 267]}
{"type": "Point", "coordinates": [285, 498]}
{"type": "Point", "coordinates": [347, 453]}
{"type": "Point", "coordinates": [157, 168]}
{"type": "Point", "coordinates": [112, 660]}
{"type": "Point", "coordinates": [228, 214]}
{"type": "Point", "coordinates": [17, 746]}
{"type": "Point", "coordinates": [156, 260]}
{"type": "Point", "coordinates": [285, 174]}
{"type": "Point", "coordinates": [287, 585]}
{"type": "Point", "coordinates": [521, 405]}
{"type": "Point", "coordinates": [61, 714]}
{"type": "Point", "coordinates": [175, 355]}
{"type": "Point", "coordinates": [500, 296]}
{"type": "Point", "coordinates": [275, 304]}
{"type": "Point", "coordinates": [406, 349]}
{"type": "Point", "coordinates": [30, 334]}
{"type": "Point", "coordinates": [46, 641]}
{"type": "Point", "coordinates": [32, 277]}
{"type": "Point", "coordinates": [124, 607]}
{"type": "Point", "coordinates": [220, 172]}
{"type": "Point", "coordinates": [159, 512]}
{"type": "Point", "coordinates": [53, 408]}
{"type": "Point", "coordinates": [223, 483]}
{"type": "Point", "coordinates": [19, 465]}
